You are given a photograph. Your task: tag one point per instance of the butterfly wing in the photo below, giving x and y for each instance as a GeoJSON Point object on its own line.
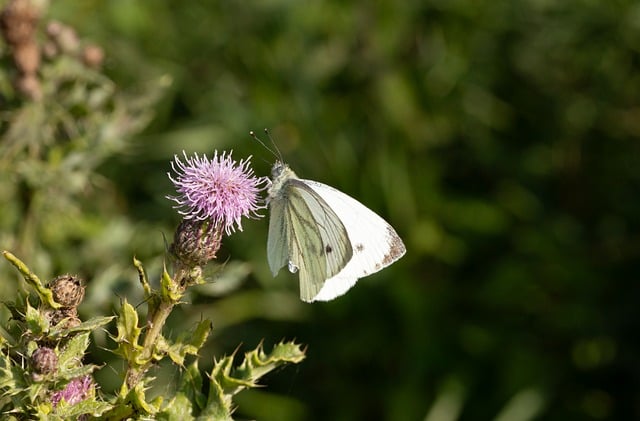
{"type": "Point", "coordinates": [306, 234]}
{"type": "Point", "coordinates": [278, 239]}
{"type": "Point", "coordinates": [375, 244]}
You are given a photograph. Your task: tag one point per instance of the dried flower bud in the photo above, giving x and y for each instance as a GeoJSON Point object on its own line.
{"type": "Point", "coordinates": [50, 50]}
{"type": "Point", "coordinates": [29, 85]}
{"type": "Point", "coordinates": [54, 28]}
{"type": "Point", "coordinates": [68, 40]}
{"type": "Point", "coordinates": [93, 56]}
{"type": "Point", "coordinates": [196, 242]}
{"type": "Point", "coordinates": [18, 21]}
{"type": "Point", "coordinates": [27, 57]}
{"type": "Point", "coordinates": [44, 360]}
{"type": "Point", "coordinates": [68, 314]}
{"type": "Point", "coordinates": [67, 290]}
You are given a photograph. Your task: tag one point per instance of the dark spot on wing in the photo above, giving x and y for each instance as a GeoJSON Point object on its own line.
{"type": "Point", "coordinates": [396, 248]}
{"type": "Point", "coordinates": [359, 247]}
{"type": "Point", "coordinates": [328, 249]}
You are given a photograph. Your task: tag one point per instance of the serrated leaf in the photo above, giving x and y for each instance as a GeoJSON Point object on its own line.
{"type": "Point", "coordinates": [138, 399]}
{"type": "Point", "coordinates": [180, 349]}
{"type": "Point", "coordinates": [128, 332]}
{"type": "Point", "coordinates": [226, 381]}
{"type": "Point", "coordinates": [88, 326]}
{"type": "Point", "coordinates": [12, 379]}
{"type": "Point", "coordinates": [37, 324]}
{"type": "Point", "coordinates": [43, 292]}
{"type": "Point", "coordinates": [169, 290]}
{"type": "Point", "coordinates": [71, 356]}
{"type": "Point", "coordinates": [180, 408]}
{"type": "Point", "coordinates": [256, 363]}
{"type": "Point", "coordinates": [191, 384]}
{"type": "Point", "coordinates": [218, 406]}
{"type": "Point", "coordinates": [87, 406]}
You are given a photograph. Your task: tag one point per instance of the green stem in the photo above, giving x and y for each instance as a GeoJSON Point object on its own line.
{"type": "Point", "coordinates": [155, 323]}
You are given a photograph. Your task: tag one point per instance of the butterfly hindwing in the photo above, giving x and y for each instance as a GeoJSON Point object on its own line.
{"type": "Point", "coordinates": [278, 241]}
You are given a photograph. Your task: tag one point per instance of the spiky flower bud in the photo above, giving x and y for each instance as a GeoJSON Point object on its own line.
{"type": "Point", "coordinates": [68, 314]}
{"type": "Point", "coordinates": [44, 360]}
{"type": "Point", "coordinates": [196, 242]}
{"type": "Point", "coordinates": [68, 290]}
{"type": "Point", "coordinates": [18, 21]}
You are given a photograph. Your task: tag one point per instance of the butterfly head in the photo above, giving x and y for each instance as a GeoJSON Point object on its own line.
{"type": "Point", "coordinates": [280, 174]}
{"type": "Point", "coordinates": [278, 168]}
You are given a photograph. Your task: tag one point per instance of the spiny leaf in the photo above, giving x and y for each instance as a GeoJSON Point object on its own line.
{"type": "Point", "coordinates": [169, 289]}
{"type": "Point", "coordinates": [180, 349]}
{"type": "Point", "coordinates": [88, 406]}
{"type": "Point", "coordinates": [226, 381]}
{"type": "Point", "coordinates": [128, 332]}
{"type": "Point", "coordinates": [88, 326]}
{"type": "Point", "coordinates": [138, 399]}
{"type": "Point", "coordinates": [71, 356]}
{"type": "Point", "coordinates": [256, 363]}
{"type": "Point", "coordinates": [37, 324]}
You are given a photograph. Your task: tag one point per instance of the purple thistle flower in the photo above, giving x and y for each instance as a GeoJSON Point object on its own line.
{"type": "Point", "coordinates": [75, 391]}
{"type": "Point", "coordinates": [220, 189]}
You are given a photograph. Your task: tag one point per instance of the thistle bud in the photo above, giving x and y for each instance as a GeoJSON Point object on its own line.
{"type": "Point", "coordinates": [44, 360]}
{"type": "Point", "coordinates": [68, 314]}
{"type": "Point", "coordinates": [75, 391]}
{"type": "Point", "coordinates": [196, 242]}
{"type": "Point", "coordinates": [67, 290]}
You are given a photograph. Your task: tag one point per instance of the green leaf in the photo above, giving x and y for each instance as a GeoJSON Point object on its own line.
{"type": "Point", "coordinates": [88, 406]}
{"type": "Point", "coordinates": [169, 289]}
{"type": "Point", "coordinates": [138, 399]}
{"type": "Point", "coordinates": [71, 356]}
{"type": "Point", "coordinates": [180, 349]}
{"type": "Point", "coordinates": [37, 324]}
{"type": "Point", "coordinates": [142, 275]}
{"type": "Point", "coordinates": [256, 363]}
{"type": "Point", "coordinates": [12, 380]}
{"type": "Point", "coordinates": [45, 293]}
{"type": "Point", "coordinates": [226, 381]}
{"type": "Point", "coordinates": [188, 395]}
{"type": "Point", "coordinates": [88, 326]}
{"type": "Point", "coordinates": [128, 332]}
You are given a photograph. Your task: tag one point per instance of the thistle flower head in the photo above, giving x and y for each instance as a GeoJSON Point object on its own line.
{"type": "Point", "coordinates": [220, 190]}
{"type": "Point", "coordinates": [75, 391]}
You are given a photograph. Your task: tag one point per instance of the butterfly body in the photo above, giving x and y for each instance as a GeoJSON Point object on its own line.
{"type": "Point", "coordinates": [329, 238]}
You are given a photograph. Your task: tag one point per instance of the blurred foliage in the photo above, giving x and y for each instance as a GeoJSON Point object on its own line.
{"type": "Point", "coordinates": [499, 138]}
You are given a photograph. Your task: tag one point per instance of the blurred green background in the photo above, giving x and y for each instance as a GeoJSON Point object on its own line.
{"type": "Point", "coordinates": [499, 138]}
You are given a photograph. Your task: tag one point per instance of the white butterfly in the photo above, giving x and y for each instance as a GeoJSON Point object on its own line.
{"type": "Point", "coordinates": [328, 237]}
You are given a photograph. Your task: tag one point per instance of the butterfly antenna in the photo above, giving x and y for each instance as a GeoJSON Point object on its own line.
{"type": "Point", "coordinates": [275, 153]}
{"type": "Point", "coordinates": [268, 133]}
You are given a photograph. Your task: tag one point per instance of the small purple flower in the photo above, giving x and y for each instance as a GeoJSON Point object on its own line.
{"type": "Point", "coordinates": [75, 391]}
{"type": "Point", "coordinates": [220, 189]}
